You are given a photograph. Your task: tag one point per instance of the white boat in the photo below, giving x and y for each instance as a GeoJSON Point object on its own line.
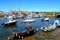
{"type": "Point", "coordinates": [46, 19]}
{"type": "Point", "coordinates": [28, 21]}
{"type": "Point", "coordinates": [10, 21]}
{"type": "Point", "coordinates": [49, 28]}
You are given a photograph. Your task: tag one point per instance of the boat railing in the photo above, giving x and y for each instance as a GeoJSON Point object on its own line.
{"type": "Point", "coordinates": [23, 31]}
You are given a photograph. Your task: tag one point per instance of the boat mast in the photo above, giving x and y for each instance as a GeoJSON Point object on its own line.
{"type": "Point", "coordinates": [19, 11]}
{"type": "Point", "coordinates": [9, 11]}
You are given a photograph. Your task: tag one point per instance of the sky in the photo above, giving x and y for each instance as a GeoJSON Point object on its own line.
{"type": "Point", "coordinates": [30, 5]}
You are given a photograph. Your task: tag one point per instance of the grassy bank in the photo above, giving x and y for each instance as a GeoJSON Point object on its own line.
{"type": "Point", "coordinates": [2, 15]}
{"type": "Point", "coordinates": [51, 35]}
{"type": "Point", "coordinates": [51, 14]}
{"type": "Point", "coordinates": [48, 14]}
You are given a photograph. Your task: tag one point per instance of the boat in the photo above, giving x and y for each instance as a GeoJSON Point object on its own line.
{"type": "Point", "coordinates": [45, 19]}
{"type": "Point", "coordinates": [57, 23]}
{"type": "Point", "coordinates": [10, 21]}
{"type": "Point", "coordinates": [49, 28]}
{"type": "Point", "coordinates": [28, 21]}
{"type": "Point", "coordinates": [42, 19]}
{"type": "Point", "coordinates": [27, 32]}
{"type": "Point", "coordinates": [25, 21]}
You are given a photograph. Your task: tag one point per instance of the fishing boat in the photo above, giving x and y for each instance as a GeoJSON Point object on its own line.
{"type": "Point", "coordinates": [27, 32]}
{"type": "Point", "coordinates": [49, 28]}
{"type": "Point", "coordinates": [10, 21]}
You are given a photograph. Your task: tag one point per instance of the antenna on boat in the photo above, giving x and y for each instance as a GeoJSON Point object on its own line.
{"type": "Point", "coordinates": [9, 9]}
{"type": "Point", "coordinates": [19, 9]}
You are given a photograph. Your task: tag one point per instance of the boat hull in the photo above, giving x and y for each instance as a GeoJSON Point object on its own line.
{"type": "Point", "coordinates": [21, 35]}
{"type": "Point", "coordinates": [49, 28]}
{"type": "Point", "coordinates": [8, 24]}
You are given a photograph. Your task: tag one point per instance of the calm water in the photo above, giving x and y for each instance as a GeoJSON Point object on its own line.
{"type": "Point", "coordinates": [7, 31]}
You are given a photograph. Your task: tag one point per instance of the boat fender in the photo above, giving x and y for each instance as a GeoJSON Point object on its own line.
{"type": "Point", "coordinates": [22, 37]}
{"type": "Point", "coordinates": [16, 34]}
{"type": "Point", "coordinates": [37, 29]}
{"type": "Point", "coordinates": [19, 36]}
{"type": "Point", "coordinates": [27, 32]}
{"type": "Point", "coordinates": [9, 38]}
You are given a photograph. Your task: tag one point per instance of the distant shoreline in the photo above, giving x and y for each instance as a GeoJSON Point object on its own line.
{"type": "Point", "coordinates": [2, 16]}
{"type": "Point", "coordinates": [46, 14]}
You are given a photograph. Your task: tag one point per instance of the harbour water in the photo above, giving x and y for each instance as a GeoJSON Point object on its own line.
{"type": "Point", "coordinates": [6, 31]}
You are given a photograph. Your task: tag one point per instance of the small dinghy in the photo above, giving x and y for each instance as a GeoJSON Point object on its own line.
{"type": "Point", "coordinates": [45, 19]}
{"type": "Point", "coordinates": [49, 28]}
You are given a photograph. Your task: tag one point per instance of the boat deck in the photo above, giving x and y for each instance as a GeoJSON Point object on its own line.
{"type": "Point", "coordinates": [23, 34]}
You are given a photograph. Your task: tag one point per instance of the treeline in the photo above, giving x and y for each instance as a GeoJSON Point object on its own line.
{"type": "Point", "coordinates": [49, 14]}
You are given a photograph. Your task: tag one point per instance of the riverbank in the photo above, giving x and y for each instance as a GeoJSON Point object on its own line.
{"type": "Point", "coordinates": [51, 14]}
{"type": "Point", "coordinates": [47, 14]}
{"type": "Point", "coordinates": [52, 35]}
{"type": "Point", "coordinates": [2, 15]}
{"type": "Point", "coordinates": [40, 35]}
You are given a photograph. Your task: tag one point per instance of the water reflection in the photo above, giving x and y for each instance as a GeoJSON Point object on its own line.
{"type": "Point", "coordinates": [11, 27]}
